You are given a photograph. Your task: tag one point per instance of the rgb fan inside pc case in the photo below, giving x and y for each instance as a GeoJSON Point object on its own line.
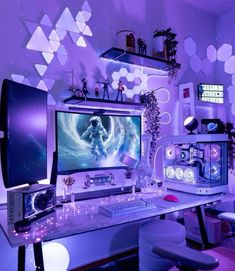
{"type": "Point", "coordinates": [196, 163]}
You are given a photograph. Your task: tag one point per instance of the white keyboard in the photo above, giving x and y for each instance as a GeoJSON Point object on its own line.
{"type": "Point", "coordinates": [126, 207]}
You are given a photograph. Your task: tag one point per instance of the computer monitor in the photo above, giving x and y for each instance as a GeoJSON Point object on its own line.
{"type": "Point", "coordinates": [212, 93]}
{"type": "Point", "coordinates": [86, 142]}
{"type": "Point", "coordinates": [24, 123]}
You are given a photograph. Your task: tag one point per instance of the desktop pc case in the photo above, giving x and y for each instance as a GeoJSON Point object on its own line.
{"type": "Point", "coordinates": [30, 202]}
{"type": "Point", "coordinates": [196, 163]}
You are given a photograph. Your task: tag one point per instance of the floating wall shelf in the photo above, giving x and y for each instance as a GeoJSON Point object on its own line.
{"type": "Point", "coordinates": [100, 103]}
{"type": "Point", "coordinates": [121, 55]}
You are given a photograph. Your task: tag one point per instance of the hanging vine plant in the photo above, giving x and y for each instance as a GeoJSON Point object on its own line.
{"type": "Point", "coordinates": [152, 119]}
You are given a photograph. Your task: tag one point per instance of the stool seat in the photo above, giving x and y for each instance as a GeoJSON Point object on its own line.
{"type": "Point", "coordinates": [162, 230]}
{"type": "Point", "coordinates": [227, 216]}
{"type": "Point", "coordinates": [185, 257]}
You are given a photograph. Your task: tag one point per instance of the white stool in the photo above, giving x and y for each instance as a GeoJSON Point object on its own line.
{"type": "Point", "coordinates": [227, 216]}
{"type": "Point", "coordinates": [155, 231]}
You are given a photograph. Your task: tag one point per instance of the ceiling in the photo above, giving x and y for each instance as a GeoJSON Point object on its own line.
{"type": "Point", "coordinates": [214, 7]}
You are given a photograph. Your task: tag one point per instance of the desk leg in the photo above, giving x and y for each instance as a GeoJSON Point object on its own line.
{"type": "Point", "coordinates": [202, 226]}
{"type": "Point", "coordinates": [38, 256]}
{"type": "Point", "coordinates": [21, 258]}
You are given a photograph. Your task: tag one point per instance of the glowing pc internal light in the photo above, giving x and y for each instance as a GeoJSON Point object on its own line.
{"type": "Point", "coordinates": [179, 173]}
{"type": "Point", "coordinates": [170, 173]}
{"type": "Point", "coordinates": [189, 175]}
{"type": "Point", "coordinates": [212, 171]}
{"type": "Point", "coordinates": [170, 152]}
{"type": "Point", "coordinates": [212, 152]}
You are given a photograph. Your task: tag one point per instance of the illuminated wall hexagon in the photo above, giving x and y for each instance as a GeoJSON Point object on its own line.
{"type": "Point", "coordinates": [224, 52]}
{"type": "Point", "coordinates": [233, 79]}
{"type": "Point", "coordinates": [231, 94]}
{"type": "Point", "coordinates": [206, 66]}
{"type": "Point", "coordinates": [196, 63]}
{"type": "Point", "coordinates": [229, 65]}
{"type": "Point", "coordinates": [190, 46]}
{"type": "Point", "coordinates": [211, 53]}
{"type": "Point", "coordinates": [136, 81]}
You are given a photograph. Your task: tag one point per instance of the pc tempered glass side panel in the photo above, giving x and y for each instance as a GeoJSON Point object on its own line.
{"type": "Point", "coordinates": [87, 142]}
{"type": "Point", "coordinates": [24, 148]}
{"type": "Point", "coordinates": [203, 164]}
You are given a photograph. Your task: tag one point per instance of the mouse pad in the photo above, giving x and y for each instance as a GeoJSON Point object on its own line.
{"type": "Point", "coordinates": [159, 201]}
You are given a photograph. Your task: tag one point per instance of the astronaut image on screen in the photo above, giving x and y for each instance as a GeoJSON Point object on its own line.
{"type": "Point", "coordinates": [90, 142]}
{"type": "Point", "coordinates": [97, 133]}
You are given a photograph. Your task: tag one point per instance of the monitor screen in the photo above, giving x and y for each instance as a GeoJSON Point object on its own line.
{"type": "Point", "coordinates": [89, 142]}
{"type": "Point", "coordinates": [211, 93]}
{"type": "Point", "coordinates": [24, 122]}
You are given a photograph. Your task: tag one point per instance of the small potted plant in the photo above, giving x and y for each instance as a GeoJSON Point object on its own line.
{"type": "Point", "coordinates": [165, 41]}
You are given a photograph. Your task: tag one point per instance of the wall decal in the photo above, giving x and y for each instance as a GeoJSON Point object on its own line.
{"type": "Point", "coordinates": [224, 52]}
{"type": "Point", "coordinates": [17, 78]}
{"type": "Point", "coordinates": [47, 38]}
{"type": "Point", "coordinates": [229, 65]}
{"type": "Point", "coordinates": [46, 20]}
{"type": "Point", "coordinates": [195, 63]}
{"type": "Point", "coordinates": [211, 53]}
{"type": "Point", "coordinates": [48, 57]}
{"type": "Point", "coordinates": [206, 66]}
{"type": "Point", "coordinates": [190, 46]}
{"type": "Point", "coordinates": [41, 69]}
{"type": "Point", "coordinates": [39, 42]}
{"type": "Point", "coordinates": [138, 79]}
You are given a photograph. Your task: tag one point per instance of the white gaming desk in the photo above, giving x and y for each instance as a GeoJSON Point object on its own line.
{"type": "Point", "coordinates": [83, 216]}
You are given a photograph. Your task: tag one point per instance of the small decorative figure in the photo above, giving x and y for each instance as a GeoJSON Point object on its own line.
{"type": "Point", "coordinates": [84, 87]}
{"type": "Point", "coordinates": [140, 45]}
{"type": "Point", "coordinates": [106, 84]}
{"type": "Point", "coordinates": [130, 42]}
{"type": "Point", "coordinates": [97, 92]}
{"type": "Point", "coordinates": [144, 48]}
{"type": "Point", "coordinates": [120, 90]}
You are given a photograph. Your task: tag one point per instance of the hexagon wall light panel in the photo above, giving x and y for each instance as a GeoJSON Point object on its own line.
{"type": "Point", "coordinates": [231, 94]}
{"type": "Point", "coordinates": [224, 52]}
{"type": "Point", "coordinates": [233, 79]}
{"type": "Point", "coordinates": [196, 63]}
{"type": "Point", "coordinates": [229, 65]}
{"type": "Point", "coordinates": [211, 53]}
{"type": "Point", "coordinates": [190, 46]}
{"type": "Point", "coordinates": [206, 66]}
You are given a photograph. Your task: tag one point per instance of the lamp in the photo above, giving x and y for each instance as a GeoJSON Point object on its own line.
{"type": "Point", "coordinates": [191, 123]}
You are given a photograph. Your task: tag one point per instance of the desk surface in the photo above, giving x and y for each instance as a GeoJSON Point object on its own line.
{"type": "Point", "coordinates": [83, 216]}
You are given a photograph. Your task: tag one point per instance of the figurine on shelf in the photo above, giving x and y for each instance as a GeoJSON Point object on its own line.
{"type": "Point", "coordinates": [97, 92]}
{"type": "Point", "coordinates": [140, 45]}
{"type": "Point", "coordinates": [84, 87]}
{"type": "Point", "coordinates": [74, 88]}
{"type": "Point", "coordinates": [106, 84]}
{"type": "Point", "coordinates": [120, 90]}
{"type": "Point", "coordinates": [144, 48]}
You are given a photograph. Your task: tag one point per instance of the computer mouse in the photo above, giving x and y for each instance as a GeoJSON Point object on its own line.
{"type": "Point", "coordinates": [170, 197]}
